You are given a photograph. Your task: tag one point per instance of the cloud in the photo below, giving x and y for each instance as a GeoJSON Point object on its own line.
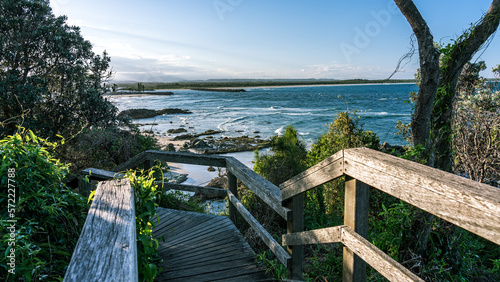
{"type": "Point", "coordinates": [162, 69]}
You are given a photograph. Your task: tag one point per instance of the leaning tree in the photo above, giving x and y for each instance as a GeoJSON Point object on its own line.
{"type": "Point", "coordinates": [440, 69]}
{"type": "Point", "coordinates": [431, 122]}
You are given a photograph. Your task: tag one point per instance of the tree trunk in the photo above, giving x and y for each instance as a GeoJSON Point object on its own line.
{"type": "Point", "coordinates": [421, 119]}
{"type": "Point", "coordinates": [431, 121]}
{"type": "Point", "coordinates": [429, 66]}
{"type": "Point", "coordinates": [456, 57]}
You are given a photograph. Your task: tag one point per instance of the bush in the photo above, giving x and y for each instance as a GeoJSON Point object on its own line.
{"type": "Point", "coordinates": [146, 195]}
{"type": "Point", "coordinates": [476, 139]}
{"type": "Point", "coordinates": [105, 148]}
{"type": "Point", "coordinates": [325, 204]}
{"type": "Point", "coordinates": [287, 158]}
{"type": "Point", "coordinates": [49, 216]}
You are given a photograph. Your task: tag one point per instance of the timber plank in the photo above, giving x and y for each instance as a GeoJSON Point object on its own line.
{"type": "Point", "coordinates": [207, 260]}
{"type": "Point", "coordinates": [207, 250]}
{"type": "Point", "coordinates": [471, 205]}
{"type": "Point", "coordinates": [178, 227]}
{"type": "Point", "coordinates": [321, 173]}
{"type": "Point", "coordinates": [203, 234]}
{"type": "Point", "coordinates": [106, 249]}
{"type": "Point", "coordinates": [266, 191]}
{"type": "Point", "coordinates": [186, 158]}
{"type": "Point", "coordinates": [174, 219]}
{"type": "Point", "coordinates": [215, 269]}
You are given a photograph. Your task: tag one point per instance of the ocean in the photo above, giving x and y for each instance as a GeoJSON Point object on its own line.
{"type": "Point", "coordinates": [266, 111]}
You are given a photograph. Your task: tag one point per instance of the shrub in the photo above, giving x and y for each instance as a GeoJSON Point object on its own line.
{"type": "Point", "coordinates": [105, 148]}
{"type": "Point", "coordinates": [49, 216]}
{"type": "Point", "coordinates": [287, 158]}
{"type": "Point", "coordinates": [476, 139]}
{"type": "Point", "coordinates": [328, 200]}
{"type": "Point", "coordinates": [146, 195]}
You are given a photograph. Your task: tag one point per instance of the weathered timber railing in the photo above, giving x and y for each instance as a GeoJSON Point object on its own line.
{"type": "Point", "coordinates": [107, 248]}
{"type": "Point", "coordinates": [465, 203]}
{"type": "Point", "coordinates": [267, 191]}
{"type": "Point", "coordinates": [468, 204]}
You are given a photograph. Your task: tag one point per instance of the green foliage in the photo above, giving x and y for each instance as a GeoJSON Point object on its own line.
{"type": "Point", "coordinates": [105, 148]}
{"type": "Point", "coordinates": [146, 195]}
{"type": "Point", "coordinates": [324, 264]}
{"type": "Point", "coordinates": [324, 204]}
{"type": "Point", "coordinates": [49, 216]}
{"type": "Point", "coordinates": [287, 158]}
{"type": "Point", "coordinates": [415, 153]}
{"type": "Point", "coordinates": [273, 266]}
{"type": "Point", "coordinates": [50, 80]}
{"type": "Point", "coordinates": [345, 132]}
{"type": "Point", "coordinates": [389, 226]}
{"type": "Point", "coordinates": [177, 200]}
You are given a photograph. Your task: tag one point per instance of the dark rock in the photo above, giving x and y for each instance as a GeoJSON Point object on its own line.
{"type": "Point", "coordinates": [146, 113]}
{"type": "Point", "coordinates": [184, 137]}
{"type": "Point", "coordinates": [395, 150]}
{"type": "Point", "coordinates": [198, 144]}
{"type": "Point", "coordinates": [170, 147]}
{"type": "Point", "coordinates": [178, 130]}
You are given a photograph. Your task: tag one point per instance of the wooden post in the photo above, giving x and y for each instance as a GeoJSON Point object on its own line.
{"type": "Point", "coordinates": [356, 217]}
{"type": "Point", "coordinates": [232, 184]}
{"type": "Point", "coordinates": [295, 264]}
{"type": "Point", "coordinates": [84, 187]}
{"type": "Point", "coordinates": [148, 164]}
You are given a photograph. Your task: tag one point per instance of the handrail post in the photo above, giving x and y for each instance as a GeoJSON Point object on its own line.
{"type": "Point", "coordinates": [232, 185]}
{"type": "Point", "coordinates": [148, 164]}
{"type": "Point", "coordinates": [356, 217]}
{"type": "Point", "coordinates": [296, 224]}
{"type": "Point", "coordinates": [84, 187]}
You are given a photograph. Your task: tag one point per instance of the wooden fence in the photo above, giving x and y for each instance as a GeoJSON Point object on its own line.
{"type": "Point", "coordinates": [107, 247]}
{"type": "Point", "coordinates": [468, 204]}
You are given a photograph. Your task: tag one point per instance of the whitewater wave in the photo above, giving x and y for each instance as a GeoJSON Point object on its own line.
{"type": "Point", "coordinates": [280, 131]}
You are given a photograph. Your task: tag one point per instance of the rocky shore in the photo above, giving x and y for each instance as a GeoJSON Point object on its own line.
{"type": "Point", "coordinates": [147, 113]}
{"type": "Point", "coordinates": [211, 145]}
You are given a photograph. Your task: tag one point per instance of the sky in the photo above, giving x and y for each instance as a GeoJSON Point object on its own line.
{"type": "Point", "coordinates": [175, 40]}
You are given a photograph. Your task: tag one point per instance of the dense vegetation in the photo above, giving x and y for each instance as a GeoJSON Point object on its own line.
{"type": "Point", "coordinates": [452, 253]}
{"type": "Point", "coordinates": [49, 216]}
{"type": "Point", "coordinates": [50, 80]}
{"type": "Point", "coordinates": [248, 83]}
{"type": "Point", "coordinates": [52, 83]}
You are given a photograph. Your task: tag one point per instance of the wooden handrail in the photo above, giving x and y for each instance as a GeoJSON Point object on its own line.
{"type": "Point", "coordinates": [107, 246]}
{"type": "Point", "coordinates": [264, 189]}
{"type": "Point", "coordinates": [273, 245]}
{"type": "Point", "coordinates": [469, 204]}
{"type": "Point", "coordinates": [380, 261]}
{"type": "Point", "coordinates": [466, 203]}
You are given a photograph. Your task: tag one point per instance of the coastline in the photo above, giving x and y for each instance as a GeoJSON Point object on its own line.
{"type": "Point", "coordinates": [252, 87]}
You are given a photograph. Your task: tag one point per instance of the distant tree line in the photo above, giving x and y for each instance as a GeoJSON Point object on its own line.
{"type": "Point", "coordinates": [250, 83]}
